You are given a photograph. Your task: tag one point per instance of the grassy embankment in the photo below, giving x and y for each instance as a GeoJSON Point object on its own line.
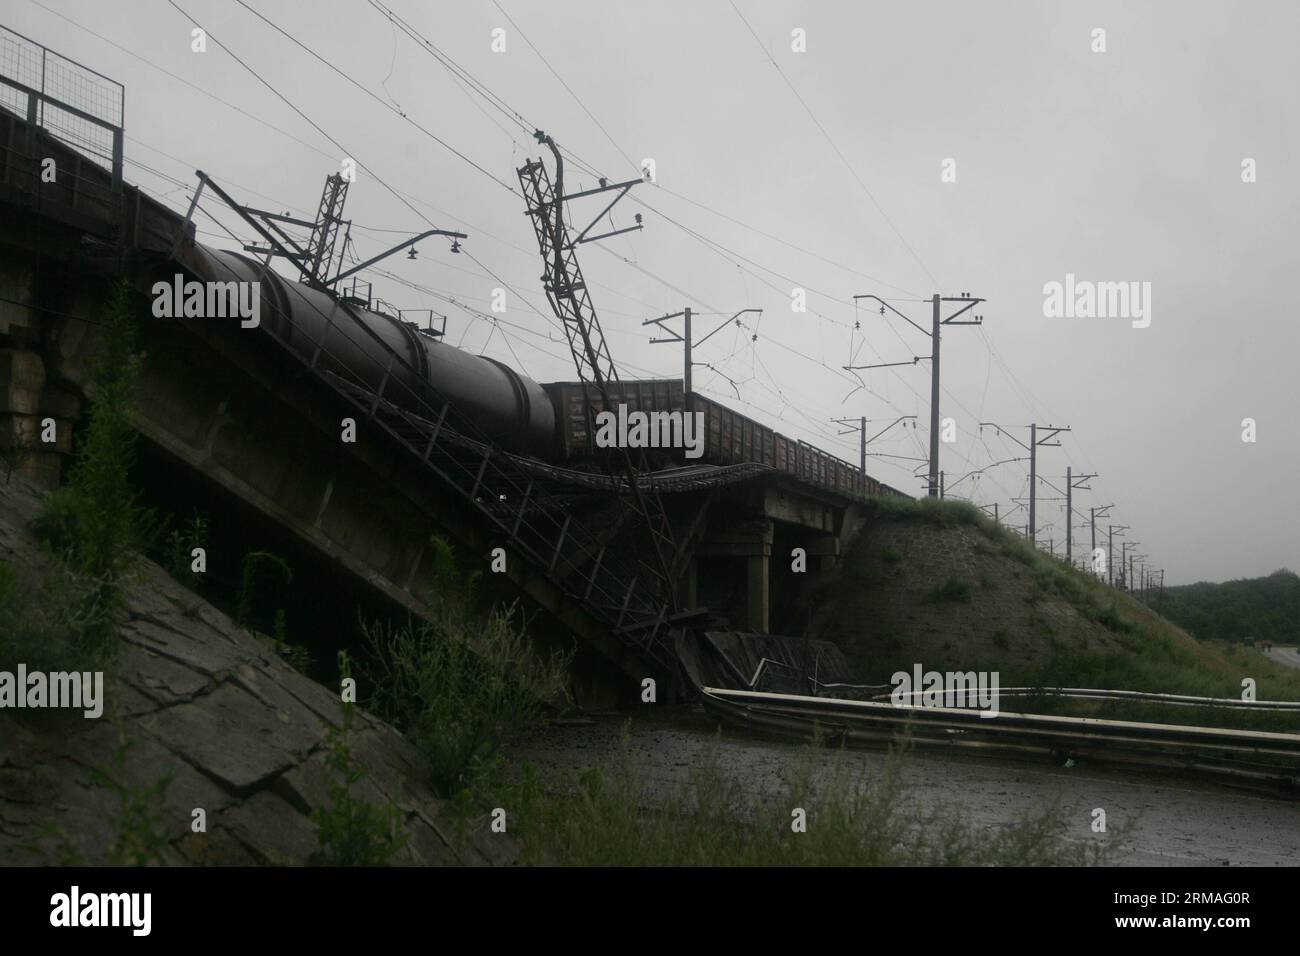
{"type": "Point", "coordinates": [1145, 652]}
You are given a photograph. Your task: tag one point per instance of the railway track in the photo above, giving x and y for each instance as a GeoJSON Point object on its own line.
{"type": "Point", "coordinates": [1251, 756]}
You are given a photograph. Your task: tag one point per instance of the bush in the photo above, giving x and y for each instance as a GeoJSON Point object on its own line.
{"type": "Point", "coordinates": [94, 521]}
{"type": "Point", "coordinates": [461, 683]}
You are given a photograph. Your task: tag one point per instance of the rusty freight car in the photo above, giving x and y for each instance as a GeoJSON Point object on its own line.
{"type": "Point", "coordinates": [730, 437]}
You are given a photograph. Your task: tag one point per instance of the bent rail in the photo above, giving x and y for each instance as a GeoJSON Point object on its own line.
{"type": "Point", "coordinates": [1251, 754]}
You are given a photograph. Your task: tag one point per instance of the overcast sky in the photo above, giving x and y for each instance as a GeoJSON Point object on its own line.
{"type": "Point", "coordinates": [1115, 166]}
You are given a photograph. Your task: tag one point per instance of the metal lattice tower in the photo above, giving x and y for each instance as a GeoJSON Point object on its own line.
{"type": "Point", "coordinates": [320, 248]}
{"type": "Point", "coordinates": [563, 278]}
{"type": "Point", "coordinates": [567, 292]}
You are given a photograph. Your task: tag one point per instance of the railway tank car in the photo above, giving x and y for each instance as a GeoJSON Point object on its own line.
{"type": "Point", "coordinates": [491, 400]}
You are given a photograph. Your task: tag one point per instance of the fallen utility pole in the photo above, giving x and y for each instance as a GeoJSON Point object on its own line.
{"type": "Point", "coordinates": [567, 292]}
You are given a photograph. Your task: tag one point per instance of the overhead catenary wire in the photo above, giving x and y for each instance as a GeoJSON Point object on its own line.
{"type": "Point", "coordinates": [374, 96]}
{"type": "Point", "coordinates": [835, 148]}
{"type": "Point", "coordinates": [451, 66]}
{"type": "Point", "coordinates": [995, 358]}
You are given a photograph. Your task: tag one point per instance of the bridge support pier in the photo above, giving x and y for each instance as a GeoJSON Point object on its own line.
{"type": "Point", "coordinates": [753, 541]}
{"type": "Point", "coordinates": [36, 417]}
{"type": "Point", "coordinates": [758, 593]}
{"type": "Point", "coordinates": [826, 550]}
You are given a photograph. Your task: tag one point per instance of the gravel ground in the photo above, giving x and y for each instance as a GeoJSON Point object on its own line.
{"type": "Point", "coordinates": [1168, 820]}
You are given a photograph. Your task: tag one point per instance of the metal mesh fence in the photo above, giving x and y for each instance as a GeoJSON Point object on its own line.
{"type": "Point", "coordinates": [37, 83]}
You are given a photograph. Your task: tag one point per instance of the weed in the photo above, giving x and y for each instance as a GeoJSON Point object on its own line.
{"type": "Point", "coordinates": [352, 831]}
{"type": "Point", "coordinates": [279, 631]}
{"type": "Point", "coordinates": [263, 567]}
{"type": "Point", "coordinates": [617, 813]}
{"type": "Point", "coordinates": [300, 658]}
{"type": "Point", "coordinates": [94, 521]}
{"type": "Point", "coordinates": [181, 544]}
{"type": "Point", "coordinates": [44, 617]}
{"type": "Point", "coordinates": [461, 683]}
{"type": "Point", "coordinates": [140, 821]}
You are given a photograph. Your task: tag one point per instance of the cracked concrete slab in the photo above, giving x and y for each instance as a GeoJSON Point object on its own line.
{"type": "Point", "coordinates": [211, 710]}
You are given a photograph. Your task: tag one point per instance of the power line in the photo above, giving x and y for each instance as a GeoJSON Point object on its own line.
{"type": "Point", "coordinates": [182, 80]}
{"type": "Point", "coordinates": [712, 244]}
{"type": "Point", "coordinates": [834, 147]}
{"type": "Point", "coordinates": [591, 116]}
{"type": "Point", "coordinates": [478, 86]}
{"type": "Point", "coordinates": [378, 99]}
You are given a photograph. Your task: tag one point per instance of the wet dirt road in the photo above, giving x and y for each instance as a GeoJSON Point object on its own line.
{"type": "Point", "coordinates": [1166, 820]}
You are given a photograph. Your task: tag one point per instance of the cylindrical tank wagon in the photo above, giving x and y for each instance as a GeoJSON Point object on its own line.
{"type": "Point", "coordinates": [490, 400]}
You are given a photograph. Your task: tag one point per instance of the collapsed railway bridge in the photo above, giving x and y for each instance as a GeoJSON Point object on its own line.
{"type": "Point", "coordinates": [362, 434]}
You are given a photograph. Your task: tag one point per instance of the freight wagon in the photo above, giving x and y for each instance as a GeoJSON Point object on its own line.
{"type": "Point", "coordinates": [730, 438]}
{"type": "Point", "coordinates": [491, 401]}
